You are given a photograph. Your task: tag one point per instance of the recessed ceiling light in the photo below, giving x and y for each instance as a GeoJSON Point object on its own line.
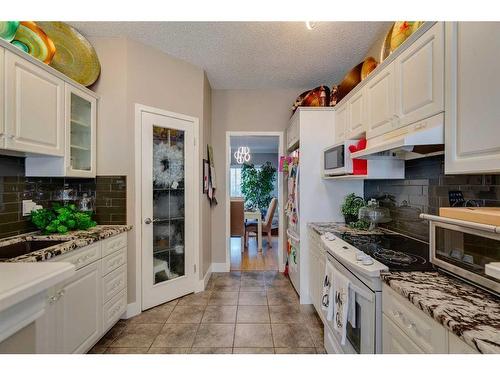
{"type": "Point", "coordinates": [310, 25]}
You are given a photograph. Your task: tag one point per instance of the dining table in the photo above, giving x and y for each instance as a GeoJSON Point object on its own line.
{"type": "Point", "coordinates": [256, 215]}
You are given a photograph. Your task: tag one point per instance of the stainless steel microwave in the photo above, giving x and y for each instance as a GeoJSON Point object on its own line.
{"type": "Point", "coordinates": [337, 159]}
{"type": "Point", "coordinates": [468, 250]}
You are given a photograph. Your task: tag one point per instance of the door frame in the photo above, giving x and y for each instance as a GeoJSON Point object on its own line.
{"type": "Point", "coordinates": [281, 209]}
{"type": "Point", "coordinates": [137, 196]}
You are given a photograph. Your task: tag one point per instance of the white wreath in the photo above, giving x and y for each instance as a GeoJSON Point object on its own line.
{"type": "Point", "coordinates": [170, 173]}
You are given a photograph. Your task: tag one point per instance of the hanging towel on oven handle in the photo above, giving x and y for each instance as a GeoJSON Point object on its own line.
{"type": "Point", "coordinates": [340, 301]}
{"type": "Point", "coordinates": [327, 284]}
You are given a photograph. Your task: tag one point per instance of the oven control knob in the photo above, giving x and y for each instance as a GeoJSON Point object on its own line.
{"type": "Point", "coordinates": [360, 255]}
{"type": "Point", "coordinates": [368, 261]}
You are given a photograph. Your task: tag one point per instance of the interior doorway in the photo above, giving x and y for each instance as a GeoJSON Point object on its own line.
{"type": "Point", "coordinates": [254, 207]}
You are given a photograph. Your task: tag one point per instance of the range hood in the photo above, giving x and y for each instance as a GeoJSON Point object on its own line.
{"type": "Point", "coordinates": [424, 138]}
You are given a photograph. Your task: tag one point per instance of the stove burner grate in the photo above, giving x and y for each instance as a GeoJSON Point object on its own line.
{"type": "Point", "coordinates": [397, 257]}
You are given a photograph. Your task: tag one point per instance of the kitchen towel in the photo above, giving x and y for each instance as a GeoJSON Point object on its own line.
{"type": "Point", "coordinates": [327, 284]}
{"type": "Point", "coordinates": [340, 304]}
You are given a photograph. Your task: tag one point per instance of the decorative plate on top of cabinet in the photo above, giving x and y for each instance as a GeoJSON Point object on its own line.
{"type": "Point", "coordinates": [31, 37]}
{"type": "Point", "coordinates": [386, 46]}
{"type": "Point", "coordinates": [8, 29]}
{"type": "Point", "coordinates": [75, 56]}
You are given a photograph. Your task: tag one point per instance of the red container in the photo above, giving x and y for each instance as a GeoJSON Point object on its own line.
{"type": "Point", "coordinates": [359, 166]}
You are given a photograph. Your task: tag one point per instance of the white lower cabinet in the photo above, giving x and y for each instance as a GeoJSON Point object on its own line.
{"type": "Point", "coordinates": [395, 341]}
{"type": "Point", "coordinates": [407, 329]}
{"type": "Point", "coordinates": [82, 309]}
{"type": "Point", "coordinates": [79, 310]}
{"type": "Point", "coordinates": [316, 272]}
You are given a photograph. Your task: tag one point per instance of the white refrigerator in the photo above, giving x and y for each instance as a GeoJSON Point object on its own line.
{"type": "Point", "coordinates": [314, 199]}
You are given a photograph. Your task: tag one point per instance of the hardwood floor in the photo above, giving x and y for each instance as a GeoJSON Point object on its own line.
{"type": "Point", "coordinates": [251, 259]}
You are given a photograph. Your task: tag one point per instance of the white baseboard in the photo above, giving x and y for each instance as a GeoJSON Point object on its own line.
{"type": "Point", "coordinates": [202, 284]}
{"type": "Point", "coordinates": [220, 267]}
{"type": "Point", "coordinates": [133, 309]}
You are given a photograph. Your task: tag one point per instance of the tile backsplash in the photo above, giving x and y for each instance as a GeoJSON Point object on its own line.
{"type": "Point", "coordinates": [109, 193]}
{"type": "Point", "coordinates": [425, 189]}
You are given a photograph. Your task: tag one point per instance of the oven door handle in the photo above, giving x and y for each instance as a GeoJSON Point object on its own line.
{"type": "Point", "coordinates": [361, 292]}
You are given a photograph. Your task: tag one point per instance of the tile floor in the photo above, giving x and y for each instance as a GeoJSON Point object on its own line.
{"type": "Point", "coordinates": [240, 312]}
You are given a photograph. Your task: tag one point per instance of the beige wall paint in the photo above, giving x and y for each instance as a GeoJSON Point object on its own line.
{"type": "Point", "coordinates": [241, 110]}
{"type": "Point", "coordinates": [135, 73]}
{"type": "Point", "coordinates": [205, 218]}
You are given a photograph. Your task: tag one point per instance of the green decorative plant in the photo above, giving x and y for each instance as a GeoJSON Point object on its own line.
{"type": "Point", "coordinates": [61, 219]}
{"type": "Point", "coordinates": [350, 207]}
{"type": "Point", "coordinates": [257, 185]}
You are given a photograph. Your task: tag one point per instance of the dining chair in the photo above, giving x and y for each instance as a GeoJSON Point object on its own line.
{"type": "Point", "coordinates": [238, 220]}
{"type": "Point", "coordinates": [266, 225]}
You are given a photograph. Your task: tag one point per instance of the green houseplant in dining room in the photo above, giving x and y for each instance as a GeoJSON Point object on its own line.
{"type": "Point", "coordinates": [61, 219]}
{"type": "Point", "coordinates": [257, 184]}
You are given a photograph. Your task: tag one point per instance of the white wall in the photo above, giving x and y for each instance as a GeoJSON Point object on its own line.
{"type": "Point", "coordinates": [242, 110]}
{"type": "Point", "coordinates": [136, 73]}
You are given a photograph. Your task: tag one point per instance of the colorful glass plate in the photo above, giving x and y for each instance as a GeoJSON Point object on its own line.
{"type": "Point", "coordinates": [39, 44]}
{"type": "Point", "coordinates": [8, 30]}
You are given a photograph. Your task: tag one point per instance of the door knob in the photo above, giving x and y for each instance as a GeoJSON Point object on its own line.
{"type": "Point", "coordinates": [148, 220]}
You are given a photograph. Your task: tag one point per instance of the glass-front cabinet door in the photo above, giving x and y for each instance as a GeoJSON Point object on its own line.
{"type": "Point", "coordinates": [80, 133]}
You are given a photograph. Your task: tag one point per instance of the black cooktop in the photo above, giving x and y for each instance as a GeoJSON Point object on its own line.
{"type": "Point", "coordinates": [398, 252]}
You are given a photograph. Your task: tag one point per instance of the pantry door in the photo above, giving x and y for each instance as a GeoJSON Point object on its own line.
{"type": "Point", "coordinates": [168, 216]}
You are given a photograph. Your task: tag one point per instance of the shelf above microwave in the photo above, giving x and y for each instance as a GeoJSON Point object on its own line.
{"type": "Point", "coordinates": [379, 169]}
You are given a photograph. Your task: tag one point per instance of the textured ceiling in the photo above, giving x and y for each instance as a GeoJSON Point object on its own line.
{"type": "Point", "coordinates": [250, 55]}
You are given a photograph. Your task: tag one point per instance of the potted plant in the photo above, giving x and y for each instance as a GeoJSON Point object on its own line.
{"type": "Point", "coordinates": [350, 207]}
{"type": "Point", "coordinates": [61, 219]}
{"type": "Point", "coordinates": [257, 185]}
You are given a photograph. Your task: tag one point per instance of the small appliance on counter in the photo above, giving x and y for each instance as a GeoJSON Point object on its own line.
{"type": "Point", "coordinates": [467, 249]}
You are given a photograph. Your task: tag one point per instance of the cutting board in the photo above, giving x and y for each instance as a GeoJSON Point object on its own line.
{"type": "Point", "coordinates": [483, 215]}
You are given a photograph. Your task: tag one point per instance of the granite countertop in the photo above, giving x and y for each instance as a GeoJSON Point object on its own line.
{"type": "Point", "coordinates": [469, 312]}
{"type": "Point", "coordinates": [74, 240]}
{"type": "Point", "coordinates": [322, 228]}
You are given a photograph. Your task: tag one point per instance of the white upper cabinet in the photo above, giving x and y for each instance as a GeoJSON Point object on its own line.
{"type": "Point", "coordinates": [420, 78]}
{"type": "Point", "coordinates": [2, 101]}
{"type": "Point", "coordinates": [356, 122]}
{"type": "Point", "coordinates": [292, 132]}
{"type": "Point", "coordinates": [380, 102]}
{"type": "Point", "coordinates": [472, 132]}
{"type": "Point", "coordinates": [34, 108]}
{"type": "Point", "coordinates": [80, 133]}
{"type": "Point", "coordinates": [341, 118]}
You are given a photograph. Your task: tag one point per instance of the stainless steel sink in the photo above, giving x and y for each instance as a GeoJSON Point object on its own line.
{"type": "Point", "coordinates": [25, 247]}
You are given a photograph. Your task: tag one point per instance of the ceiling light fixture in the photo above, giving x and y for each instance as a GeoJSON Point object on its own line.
{"type": "Point", "coordinates": [310, 25]}
{"type": "Point", "coordinates": [242, 155]}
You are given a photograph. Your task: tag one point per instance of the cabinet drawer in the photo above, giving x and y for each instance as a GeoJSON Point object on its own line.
{"type": "Point", "coordinates": [113, 310]}
{"type": "Point", "coordinates": [112, 244]}
{"type": "Point", "coordinates": [114, 283]}
{"type": "Point", "coordinates": [81, 257]}
{"type": "Point", "coordinates": [395, 341]}
{"type": "Point", "coordinates": [113, 261]}
{"type": "Point", "coordinates": [421, 329]}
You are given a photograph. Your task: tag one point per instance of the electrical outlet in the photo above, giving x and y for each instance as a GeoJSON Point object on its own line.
{"type": "Point", "coordinates": [28, 206]}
